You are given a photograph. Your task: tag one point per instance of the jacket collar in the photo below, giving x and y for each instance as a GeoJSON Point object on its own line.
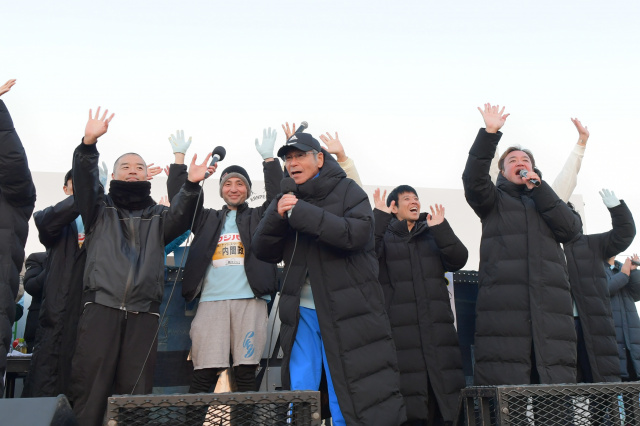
{"type": "Point", "coordinates": [511, 188]}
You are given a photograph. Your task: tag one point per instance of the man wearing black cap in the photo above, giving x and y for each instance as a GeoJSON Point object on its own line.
{"type": "Point", "coordinates": [232, 283]}
{"type": "Point", "coordinates": [331, 305]}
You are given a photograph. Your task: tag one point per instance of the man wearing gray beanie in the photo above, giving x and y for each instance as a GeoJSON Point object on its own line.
{"type": "Point", "coordinates": [223, 271]}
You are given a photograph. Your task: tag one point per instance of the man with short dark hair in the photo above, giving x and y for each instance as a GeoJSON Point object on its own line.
{"type": "Point", "coordinates": [126, 232]}
{"type": "Point", "coordinates": [524, 323]}
{"type": "Point", "coordinates": [414, 251]}
{"type": "Point", "coordinates": [331, 304]}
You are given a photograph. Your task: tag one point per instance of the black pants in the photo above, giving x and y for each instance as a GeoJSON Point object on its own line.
{"type": "Point", "coordinates": [110, 355]}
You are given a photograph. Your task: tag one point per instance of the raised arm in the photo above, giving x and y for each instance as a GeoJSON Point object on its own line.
{"type": "Point", "coordinates": [382, 217]}
{"type": "Point", "coordinates": [623, 227]}
{"type": "Point", "coordinates": [334, 146]}
{"type": "Point", "coordinates": [52, 220]}
{"type": "Point", "coordinates": [566, 181]}
{"type": "Point", "coordinates": [270, 166]}
{"type": "Point", "coordinates": [16, 183]}
{"type": "Point", "coordinates": [453, 253]}
{"type": "Point", "coordinates": [177, 172]}
{"type": "Point", "coordinates": [479, 189]}
{"type": "Point", "coordinates": [88, 191]}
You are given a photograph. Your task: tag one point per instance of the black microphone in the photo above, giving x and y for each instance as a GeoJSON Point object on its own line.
{"type": "Point", "coordinates": [302, 127]}
{"type": "Point", "coordinates": [535, 182]}
{"type": "Point", "coordinates": [218, 155]}
{"type": "Point", "coordinates": [288, 186]}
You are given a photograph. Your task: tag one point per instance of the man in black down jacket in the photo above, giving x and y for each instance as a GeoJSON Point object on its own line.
{"type": "Point", "coordinates": [61, 231]}
{"type": "Point", "coordinates": [126, 232]}
{"type": "Point", "coordinates": [624, 290]}
{"type": "Point", "coordinates": [414, 251]}
{"type": "Point", "coordinates": [597, 350]}
{"type": "Point", "coordinates": [224, 271]}
{"type": "Point", "coordinates": [331, 303]}
{"type": "Point", "coordinates": [524, 324]}
{"type": "Point", "coordinates": [17, 199]}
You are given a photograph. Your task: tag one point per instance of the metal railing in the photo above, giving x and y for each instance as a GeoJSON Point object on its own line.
{"type": "Point", "coordinates": [246, 408]}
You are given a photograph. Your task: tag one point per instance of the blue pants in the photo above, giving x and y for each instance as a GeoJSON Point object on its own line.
{"type": "Point", "coordinates": [307, 358]}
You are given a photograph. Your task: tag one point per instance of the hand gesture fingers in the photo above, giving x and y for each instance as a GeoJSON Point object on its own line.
{"type": "Point", "coordinates": [494, 117]}
{"type": "Point", "coordinates": [96, 126]}
{"type": "Point", "coordinates": [153, 171]}
{"type": "Point", "coordinates": [287, 131]}
{"type": "Point", "coordinates": [379, 201]}
{"type": "Point", "coordinates": [164, 201]}
{"type": "Point", "coordinates": [437, 215]}
{"type": "Point", "coordinates": [7, 86]}
{"type": "Point", "coordinates": [197, 172]}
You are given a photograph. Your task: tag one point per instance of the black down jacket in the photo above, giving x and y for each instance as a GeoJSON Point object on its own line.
{"type": "Point", "coordinates": [625, 292]}
{"type": "Point", "coordinates": [125, 248]}
{"type": "Point", "coordinates": [17, 199]}
{"type": "Point", "coordinates": [50, 369]}
{"type": "Point", "coordinates": [589, 287]}
{"type": "Point", "coordinates": [412, 267]}
{"type": "Point", "coordinates": [523, 297]}
{"type": "Point", "coordinates": [208, 225]}
{"type": "Point", "coordinates": [331, 230]}
{"type": "Point", "coordinates": [33, 282]}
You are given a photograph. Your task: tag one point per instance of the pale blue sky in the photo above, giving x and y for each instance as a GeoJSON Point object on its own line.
{"type": "Point", "coordinates": [400, 81]}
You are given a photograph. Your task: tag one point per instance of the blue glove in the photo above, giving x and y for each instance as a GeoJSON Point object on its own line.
{"type": "Point", "coordinates": [268, 141]}
{"type": "Point", "coordinates": [178, 144]}
{"type": "Point", "coordinates": [103, 172]}
{"type": "Point", "coordinates": [609, 198]}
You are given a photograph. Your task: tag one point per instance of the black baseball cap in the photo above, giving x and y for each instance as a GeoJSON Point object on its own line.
{"type": "Point", "coordinates": [302, 141]}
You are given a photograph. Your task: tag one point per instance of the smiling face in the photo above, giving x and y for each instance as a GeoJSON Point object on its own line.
{"type": "Point", "coordinates": [407, 208]}
{"type": "Point", "coordinates": [234, 192]}
{"type": "Point", "coordinates": [513, 163]}
{"type": "Point", "coordinates": [303, 165]}
{"type": "Point", "coordinates": [130, 168]}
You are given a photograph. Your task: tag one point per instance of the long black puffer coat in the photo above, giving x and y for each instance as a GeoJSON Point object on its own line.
{"type": "Point", "coordinates": [412, 267]}
{"type": "Point", "coordinates": [17, 200]}
{"type": "Point", "coordinates": [50, 370]}
{"type": "Point", "coordinates": [589, 288]}
{"type": "Point", "coordinates": [523, 297]}
{"type": "Point", "coordinates": [331, 231]}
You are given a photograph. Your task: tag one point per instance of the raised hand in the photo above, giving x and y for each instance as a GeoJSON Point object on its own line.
{"type": "Point", "coordinates": [164, 201]}
{"type": "Point", "coordinates": [197, 171]}
{"type": "Point", "coordinates": [96, 126]}
{"type": "Point", "coordinates": [103, 172]}
{"type": "Point", "coordinates": [609, 198]}
{"type": "Point", "coordinates": [7, 86]}
{"type": "Point", "coordinates": [153, 171]}
{"type": "Point", "coordinates": [268, 141]}
{"type": "Point", "coordinates": [583, 132]}
{"type": "Point", "coordinates": [494, 117]}
{"type": "Point", "coordinates": [288, 132]}
{"type": "Point", "coordinates": [334, 146]}
{"type": "Point", "coordinates": [437, 216]}
{"type": "Point", "coordinates": [178, 144]}
{"type": "Point", "coordinates": [380, 203]}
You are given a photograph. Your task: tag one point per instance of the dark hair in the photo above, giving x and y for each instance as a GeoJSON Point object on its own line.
{"type": "Point", "coordinates": [68, 177]}
{"type": "Point", "coordinates": [128, 153]}
{"type": "Point", "coordinates": [509, 151]}
{"type": "Point", "coordinates": [393, 195]}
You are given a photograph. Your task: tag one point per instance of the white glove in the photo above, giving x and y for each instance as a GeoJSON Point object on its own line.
{"type": "Point", "coordinates": [178, 144]}
{"type": "Point", "coordinates": [102, 173]}
{"type": "Point", "coordinates": [609, 198]}
{"type": "Point", "coordinates": [268, 141]}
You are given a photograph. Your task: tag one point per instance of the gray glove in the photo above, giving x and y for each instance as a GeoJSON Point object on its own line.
{"type": "Point", "coordinates": [609, 198]}
{"type": "Point", "coordinates": [268, 141]}
{"type": "Point", "coordinates": [103, 172]}
{"type": "Point", "coordinates": [178, 143]}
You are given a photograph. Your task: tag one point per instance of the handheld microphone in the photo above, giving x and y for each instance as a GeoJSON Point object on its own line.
{"type": "Point", "coordinates": [218, 155]}
{"type": "Point", "coordinates": [288, 186]}
{"type": "Point", "coordinates": [535, 182]}
{"type": "Point", "coordinates": [302, 127]}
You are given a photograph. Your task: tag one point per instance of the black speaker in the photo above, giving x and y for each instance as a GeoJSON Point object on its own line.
{"type": "Point", "coordinates": [37, 411]}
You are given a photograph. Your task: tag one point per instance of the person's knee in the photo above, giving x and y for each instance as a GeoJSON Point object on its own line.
{"type": "Point", "coordinates": [245, 377]}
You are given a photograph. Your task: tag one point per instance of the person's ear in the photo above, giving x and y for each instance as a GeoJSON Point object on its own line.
{"type": "Point", "coordinates": [320, 159]}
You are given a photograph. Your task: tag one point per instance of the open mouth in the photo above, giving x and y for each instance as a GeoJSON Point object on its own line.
{"type": "Point", "coordinates": [413, 210]}
{"type": "Point", "coordinates": [295, 173]}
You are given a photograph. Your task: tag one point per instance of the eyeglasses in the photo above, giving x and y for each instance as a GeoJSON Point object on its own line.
{"type": "Point", "coordinates": [298, 155]}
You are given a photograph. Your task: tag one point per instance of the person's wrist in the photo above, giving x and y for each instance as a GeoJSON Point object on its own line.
{"type": "Point", "coordinates": [341, 157]}
{"type": "Point", "coordinates": [492, 129]}
{"type": "Point", "coordinates": [89, 140]}
{"type": "Point", "coordinates": [179, 157]}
